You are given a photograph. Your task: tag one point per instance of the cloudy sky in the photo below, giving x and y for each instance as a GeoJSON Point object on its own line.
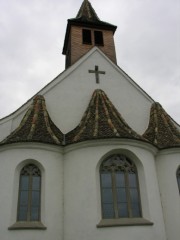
{"type": "Point", "coordinates": [147, 44]}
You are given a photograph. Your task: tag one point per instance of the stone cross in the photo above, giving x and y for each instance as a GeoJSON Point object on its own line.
{"type": "Point", "coordinates": [97, 72]}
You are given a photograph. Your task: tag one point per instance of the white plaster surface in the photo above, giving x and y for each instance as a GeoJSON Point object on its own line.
{"type": "Point", "coordinates": [167, 165]}
{"type": "Point", "coordinates": [50, 162]}
{"type": "Point", "coordinates": [68, 96]}
{"type": "Point", "coordinates": [71, 201]}
{"type": "Point", "coordinates": [82, 195]}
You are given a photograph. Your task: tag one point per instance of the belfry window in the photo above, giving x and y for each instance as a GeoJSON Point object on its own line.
{"type": "Point", "coordinates": [178, 178]}
{"type": "Point", "coordinates": [29, 194]}
{"type": "Point", "coordinates": [119, 188]}
{"type": "Point", "coordinates": [98, 38]}
{"type": "Point", "coordinates": [86, 34]}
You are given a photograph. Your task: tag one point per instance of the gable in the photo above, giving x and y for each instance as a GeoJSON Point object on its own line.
{"type": "Point", "coordinates": [68, 99]}
{"type": "Point", "coordinates": [68, 95]}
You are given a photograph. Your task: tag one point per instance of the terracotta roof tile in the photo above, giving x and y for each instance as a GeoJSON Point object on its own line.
{"type": "Point", "coordinates": [161, 130]}
{"type": "Point", "coordinates": [36, 126]}
{"type": "Point", "coordinates": [101, 120]}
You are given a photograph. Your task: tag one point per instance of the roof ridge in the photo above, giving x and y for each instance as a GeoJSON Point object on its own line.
{"type": "Point", "coordinates": [36, 125]}
{"type": "Point", "coordinates": [161, 130]}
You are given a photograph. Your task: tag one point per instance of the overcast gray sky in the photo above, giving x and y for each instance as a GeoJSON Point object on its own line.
{"type": "Point", "coordinates": [147, 45]}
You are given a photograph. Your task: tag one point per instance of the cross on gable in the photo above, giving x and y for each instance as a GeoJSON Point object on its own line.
{"type": "Point", "coordinates": [97, 72]}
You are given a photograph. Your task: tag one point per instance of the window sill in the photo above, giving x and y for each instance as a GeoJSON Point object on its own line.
{"type": "Point", "coordinates": [99, 45]}
{"type": "Point", "coordinates": [124, 222]}
{"type": "Point", "coordinates": [27, 225]}
{"type": "Point", "coordinates": [87, 43]}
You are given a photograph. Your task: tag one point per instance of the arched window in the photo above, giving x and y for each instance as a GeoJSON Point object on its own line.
{"type": "Point", "coordinates": [29, 194]}
{"type": "Point", "coordinates": [178, 178]}
{"type": "Point", "coordinates": [119, 188]}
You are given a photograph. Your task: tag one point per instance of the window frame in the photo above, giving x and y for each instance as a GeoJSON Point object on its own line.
{"type": "Point", "coordinates": [29, 205]}
{"type": "Point", "coordinates": [123, 221]}
{"type": "Point", "coordinates": [83, 36]}
{"type": "Point", "coordinates": [127, 189]}
{"type": "Point", "coordinates": [28, 225]}
{"type": "Point", "coordinates": [101, 43]}
{"type": "Point", "coordinates": [93, 37]}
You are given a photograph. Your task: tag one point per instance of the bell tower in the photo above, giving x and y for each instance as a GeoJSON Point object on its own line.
{"type": "Point", "coordinates": [86, 31]}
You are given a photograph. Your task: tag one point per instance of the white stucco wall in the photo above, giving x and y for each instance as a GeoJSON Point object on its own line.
{"type": "Point", "coordinates": [82, 201]}
{"type": "Point", "coordinates": [68, 96]}
{"type": "Point", "coordinates": [5, 128]}
{"type": "Point", "coordinates": [71, 201]}
{"type": "Point", "coordinates": [71, 96]}
{"type": "Point", "coordinates": [49, 159]}
{"type": "Point", "coordinates": [168, 162]}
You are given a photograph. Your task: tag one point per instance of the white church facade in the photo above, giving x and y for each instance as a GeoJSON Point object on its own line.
{"type": "Point", "coordinates": [91, 156]}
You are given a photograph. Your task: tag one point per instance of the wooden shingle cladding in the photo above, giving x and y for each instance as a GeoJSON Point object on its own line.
{"type": "Point", "coordinates": [77, 48]}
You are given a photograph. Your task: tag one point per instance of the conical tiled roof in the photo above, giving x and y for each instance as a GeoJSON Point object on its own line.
{"type": "Point", "coordinates": [101, 120]}
{"type": "Point", "coordinates": [36, 126]}
{"type": "Point", "coordinates": [161, 130]}
{"type": "Point", "coordinates": [87, 12]}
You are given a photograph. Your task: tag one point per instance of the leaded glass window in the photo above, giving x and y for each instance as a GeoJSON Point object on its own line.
{"type": "Point", "coordinates": [178, 178]}
{"type": "Point", "coordinates": [119, 188]}
{"type": "Point", "coordinates": [29, 194]}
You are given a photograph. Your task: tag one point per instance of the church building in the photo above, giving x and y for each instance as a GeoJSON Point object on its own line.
{"type": "Point", "coordinates": [91, 156]}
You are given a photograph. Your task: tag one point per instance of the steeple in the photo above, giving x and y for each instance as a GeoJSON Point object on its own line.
{"type": "Point", "coordinates": [84, 32]}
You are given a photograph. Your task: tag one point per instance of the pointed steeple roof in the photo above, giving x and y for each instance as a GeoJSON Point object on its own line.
{"type": "Point", "coordinates": [101, 120]}
{"type": "Point", "coordinates": [36, 126]}
{"type": "Point", "coordinates": [87, 16]}
{"type": "Point", "coordinates": [161, 130]}
{"type": "Point", "coordinates": [87, 12]}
